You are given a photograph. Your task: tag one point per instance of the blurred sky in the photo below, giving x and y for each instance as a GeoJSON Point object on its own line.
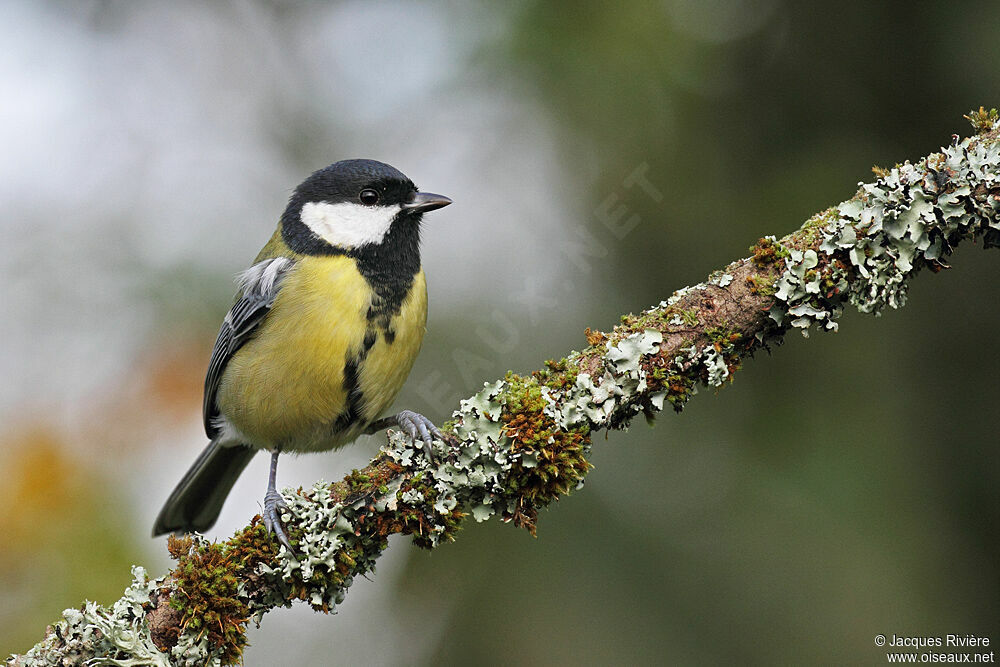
{"type": "Point", "coordinates": [845, 486]}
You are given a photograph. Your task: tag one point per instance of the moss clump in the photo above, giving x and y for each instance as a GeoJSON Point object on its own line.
{"type": "Point", "coordinates": [428, 527]}
{"type": "Point", "coordinates": [368, 483]}
{"type": "Point", "coordinates": [767, 252]}
{"type": "Point", "coordinates": [761, 285]}
{"type": "Point", "coordinates": [208, 598]}
{"type": "Point", "coordinates": [357, 480]}
{"type": "Point", "coordinates": [722, 336]}
{"type": "Point", "coordinates": [660, 376]}
{"type": "Point", "coordinates": [810, 234]}
{"type": "Point", "coordinates": [881, 173]}
{"type": "Point", "coordinates": [207, 581]}
{"type": "Point", "coordinates": [982, 120]}
{"type": "Point", "coordinates": [679, 389]}
{"type": "Point", "coordinates": [829, 285]}
{"type": "Point", "coordinates": [335, 575]}
{"type": "Point", "coordinates": [594, 338]}
{"type": "Point", "coordinates": [690, 317]}
{"type": "Point", "coordinates": [552, 460]}
{"type": "Point", "coordinates": [323, 580]}
{"type": "Point", "coordinates": [726, 342]}
{"type": "Point", "coordinates": [560, 375]}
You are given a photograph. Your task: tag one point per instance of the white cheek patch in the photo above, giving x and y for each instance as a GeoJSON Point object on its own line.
{"type": "Point", "coordinates": [347, 224]}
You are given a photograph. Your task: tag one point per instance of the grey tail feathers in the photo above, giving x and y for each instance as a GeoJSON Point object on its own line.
{"type": "Point", "coordinates": [196, 501]}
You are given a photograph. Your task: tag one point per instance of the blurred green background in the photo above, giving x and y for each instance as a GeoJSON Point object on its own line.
{"type": "Point", "coordinates": [845, 486]}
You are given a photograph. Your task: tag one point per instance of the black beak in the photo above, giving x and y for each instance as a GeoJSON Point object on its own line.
{"type": "Point", "coordinates": [426, 201]}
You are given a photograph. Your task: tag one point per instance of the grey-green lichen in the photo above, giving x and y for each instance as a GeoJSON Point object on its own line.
{"type": "Point", "coordinates": [522, 442]}
{"type": "Point", "coordinates": [910, 218]}
{"type": "Point", "coordinates": [799, 289]}
{"type": "Point", "coordinates": [473, 474]}
{"type": "Point", "coordinates": [518, 453]}
{"type": "Point", "coordinates": [96, 635]}
{"type": "Point", "coordinates": [329, 550]}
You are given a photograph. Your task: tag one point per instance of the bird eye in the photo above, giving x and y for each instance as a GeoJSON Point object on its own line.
{"type": "Point", "coordinates": [368, 197]}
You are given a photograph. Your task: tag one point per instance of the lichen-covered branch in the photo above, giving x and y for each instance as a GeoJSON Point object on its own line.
{"type": "Point", "coordinates": [523, 441]}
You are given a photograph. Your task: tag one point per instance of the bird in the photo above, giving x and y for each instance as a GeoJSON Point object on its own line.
{"type": "Point", "coordinates": [323, 332]}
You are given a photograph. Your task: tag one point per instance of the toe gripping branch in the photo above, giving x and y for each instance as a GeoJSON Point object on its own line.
{"type": "Point", "coordinates": [414, 425]}
{"type": "Point", "coordinates": [274, 504]}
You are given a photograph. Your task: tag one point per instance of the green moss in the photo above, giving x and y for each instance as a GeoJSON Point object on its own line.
{"type": "Point", "coordinates": [830, 286]}
{"type": "Point", "coordinates": [559, 375]}
{"type": "Point", "coordinates": [761, 285]}
{"type": "Point", "coordinates": [722, 335]}
{"type": "Point", "coordinates": [207, 580]}
{"type": "Point", "coordinates": [881, 172]}
{"type": "Point", "coordinates": [552, 461]}
{"type": "Point", "coordinates": [332, 577]}
{"type": "Point", "coordinates": [768, 252]}
{"type": "Point", "coordinates": [690, 317]}
{"type": "Point", "coordinates": [661, 375]}
{"type": "Point", "coordinates": [679, 390]}
{"type": "Point", "coordinates": [369, 482]}
{"type": "Point", "coordinates": [811, 232]}
{"type": "Point", "coordinates": [357, 480]}
{"type": "Point", "coordinates": [982, 120]}
{"type": "Point", "coordinates": [420, 521]}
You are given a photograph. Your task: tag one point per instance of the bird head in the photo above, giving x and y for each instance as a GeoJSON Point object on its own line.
{"type": "Point", "coordinates": [352, 205]}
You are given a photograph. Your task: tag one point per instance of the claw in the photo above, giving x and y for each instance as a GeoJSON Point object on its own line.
{"type": "Point", "coordinates": [274, 504]}
{"type": "Point", "coordinates": [419, 427]}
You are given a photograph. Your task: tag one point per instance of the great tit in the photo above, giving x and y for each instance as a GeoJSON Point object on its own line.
{"type": "Point", "coordinates": [323, 332]}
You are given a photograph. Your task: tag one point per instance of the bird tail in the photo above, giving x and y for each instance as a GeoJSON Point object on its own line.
{"type": "Point", "coordinates": [196, 501]}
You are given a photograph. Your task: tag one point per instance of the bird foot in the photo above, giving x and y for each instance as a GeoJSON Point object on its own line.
{"type": "Point", "coordinates": [274, 504]}
{"type": "Point", "coordinates": [420, 428]}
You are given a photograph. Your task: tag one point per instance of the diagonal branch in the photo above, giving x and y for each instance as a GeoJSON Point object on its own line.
{"type": "Point", "coordinates": [522, 442]}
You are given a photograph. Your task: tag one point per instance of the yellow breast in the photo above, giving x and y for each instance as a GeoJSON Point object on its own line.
{"type": "Point", "coordinates": [286, 387]}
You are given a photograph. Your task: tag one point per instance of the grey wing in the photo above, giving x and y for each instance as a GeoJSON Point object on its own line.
{"type": "Point", "coordinates": [259, 286]}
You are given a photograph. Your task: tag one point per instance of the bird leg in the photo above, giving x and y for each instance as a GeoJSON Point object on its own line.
{"type": "Point", "coordinates": [273, 504]}
{"type": "Point", "coordinates": [414, 425]}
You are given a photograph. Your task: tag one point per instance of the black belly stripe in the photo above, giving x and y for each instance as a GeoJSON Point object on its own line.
{"type": "Point", "coordinates": [352, 387]}
{"type": "Point", "coordinates": [387, 302]}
